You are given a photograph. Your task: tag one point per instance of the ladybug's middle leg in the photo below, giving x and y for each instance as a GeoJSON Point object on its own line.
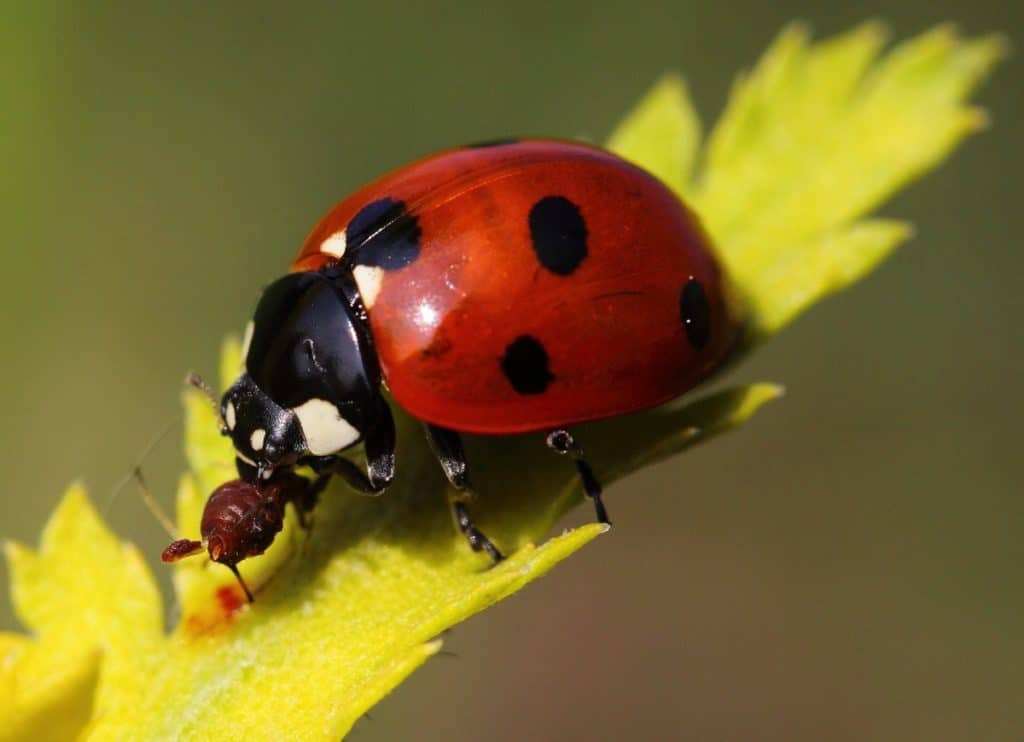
{"type": "Point", "coordinates": [563, 443]}
{"type": "Point", "coordinates": [447, 447]}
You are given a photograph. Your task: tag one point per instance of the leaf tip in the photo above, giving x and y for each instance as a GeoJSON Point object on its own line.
{"type": "Point", "coordinates": [74, 512]}
{"type": "Point", "coordinates": [976, 119]}
{"type": "Point", "coordinates": [14, 551]}
{"type": "Point", "coordinates": [873, 29]}
{"type": "Point", "coordinates": [795, 33]}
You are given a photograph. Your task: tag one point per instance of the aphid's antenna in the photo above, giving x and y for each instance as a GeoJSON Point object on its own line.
{"type": "Point", "coordinates": [196, 381]}
{"type": "Point", "coordinates": [238, 576]}
{"type": "Point", "coordinates": [153, 505]}
{"type": "Point", "coordinates": [157, 439]}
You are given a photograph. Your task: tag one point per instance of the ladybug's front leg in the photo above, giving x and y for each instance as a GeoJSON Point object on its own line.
{"type": "Point", "coordinates": [354, 477]}
{"type": "Point", "coordinates": [379, 445]}
{"type": "Point", "coordinates": [447, 447]}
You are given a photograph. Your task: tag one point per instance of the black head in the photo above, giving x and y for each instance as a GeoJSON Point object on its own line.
{"type": "Point", "coordinates": [310, 385]}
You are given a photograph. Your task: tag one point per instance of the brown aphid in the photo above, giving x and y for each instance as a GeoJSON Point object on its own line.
{"type": "Point", "coordinates": [240, 520]}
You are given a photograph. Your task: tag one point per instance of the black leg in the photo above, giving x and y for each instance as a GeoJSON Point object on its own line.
{"type": "Point", "coordinates": [304, 495]}
{"type": "Point", "coordinates": [379, 446]}
{"type": "Point", "coordinates": [477, 540]}
{"type": "Point", "coordinates": [354, 477]}
{"type": "Point", "coordinates": [562, 442]}
{"type": "Point", "coordinates": [447, 447]}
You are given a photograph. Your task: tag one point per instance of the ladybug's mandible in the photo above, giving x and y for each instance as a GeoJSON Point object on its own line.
{"type": "Point", "coordinates": [506, 288]}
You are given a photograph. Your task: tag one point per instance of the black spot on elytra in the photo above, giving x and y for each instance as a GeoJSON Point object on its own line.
{"type": "Point", "coordinates": [492, 143]}
{"type": "Point", "coordinates": [525, 364]}
{"type": "Point", "coordinates": [695, 313]}
{"type": "Point", "coordinates": [558, 234]}
{"type": "Point", "coordinates": [384, 235]}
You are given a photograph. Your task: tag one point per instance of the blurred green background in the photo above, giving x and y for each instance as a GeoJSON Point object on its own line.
{"type": "Point", "coordinates": [848, 566]}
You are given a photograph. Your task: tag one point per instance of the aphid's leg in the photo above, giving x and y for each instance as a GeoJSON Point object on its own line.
{"type": "Point", "coordinates": [447, 447]}
{"type": "Point", "coordinates": [562, 442]}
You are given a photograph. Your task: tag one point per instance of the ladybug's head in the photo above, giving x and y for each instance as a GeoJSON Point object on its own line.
{"type": "Point", "coordinates": [310, 384]}
{"type": "Point", "coordinates": [265, 434]}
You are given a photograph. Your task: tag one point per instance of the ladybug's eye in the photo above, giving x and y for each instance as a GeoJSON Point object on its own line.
{"type": "Point", "coordinates": [695, 313]}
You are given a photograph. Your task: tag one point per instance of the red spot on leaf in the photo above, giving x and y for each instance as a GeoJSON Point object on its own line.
{"type": "Point", "coordinates": [231, 600]}
{"type": "Point", "coordinates": [217, 614]}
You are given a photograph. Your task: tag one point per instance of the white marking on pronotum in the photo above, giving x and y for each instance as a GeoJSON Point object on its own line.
{"type": "Point", "coordinates": [325, 430]}
{"type": "Point", "coordinates": [247, 340]}
{"type": "Point", "coordinates": [335, 244]}
{"type": "Point", "coordinates": [229, 415]}
{"type": "Point", "coordinates": [368, 280]}
{"type": "Point", "coordinates": [257, 439]}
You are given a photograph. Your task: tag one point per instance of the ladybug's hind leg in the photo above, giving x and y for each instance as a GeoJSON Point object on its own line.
{"type": "Point", "coordinates": [447, 447]}
{"type": "Point", "coordinates": [563, 443]}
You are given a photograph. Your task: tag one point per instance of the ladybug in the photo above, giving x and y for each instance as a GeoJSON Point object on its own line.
{"type": "Point", "coordinates": [512, 287]}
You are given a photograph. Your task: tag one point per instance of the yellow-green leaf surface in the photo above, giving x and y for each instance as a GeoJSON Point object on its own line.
{"type": "Point", "coordinates": [662, 133]}
{"type": "Point", "coordinates": [809, 143]}
{"type": "Point", "coordinates": [46, 691]}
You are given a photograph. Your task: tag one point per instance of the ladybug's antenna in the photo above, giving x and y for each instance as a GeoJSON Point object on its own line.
{"type": "Point", "coordinates": [196, 381]}
{"type": "Point", "coordinates": [238, 576]}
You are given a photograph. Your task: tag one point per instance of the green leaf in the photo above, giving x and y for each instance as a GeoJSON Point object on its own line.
{"type": "Point", "coordinates": [46, 690]}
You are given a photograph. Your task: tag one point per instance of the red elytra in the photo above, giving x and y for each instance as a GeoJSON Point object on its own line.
{"type": "Point", "coordinates": [554, 283]}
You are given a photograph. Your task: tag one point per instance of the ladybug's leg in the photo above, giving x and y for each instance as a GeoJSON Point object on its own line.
{"type": "Point", "coordinates": [562, 442]}
{"type": "Point", "coordinates": [379, 445]}
{"type": "Point", "coordinates": [447, 447]}
{"type": "Point", "coordinates": [303, 494]}
{"type": "Point", "coordinates": [352, 474]}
